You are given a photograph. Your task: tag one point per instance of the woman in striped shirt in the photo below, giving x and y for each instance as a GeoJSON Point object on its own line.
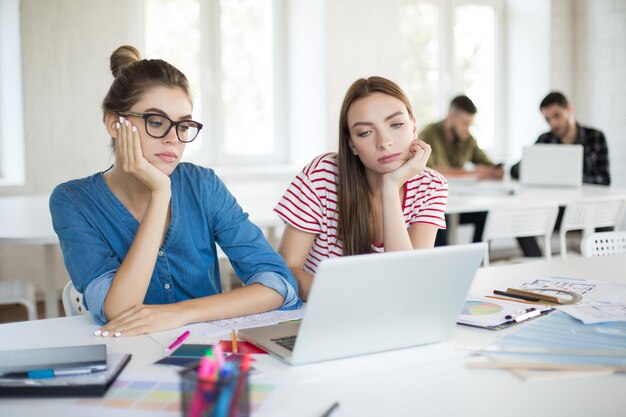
{"type": "Point", "coordinates": [374, 195]}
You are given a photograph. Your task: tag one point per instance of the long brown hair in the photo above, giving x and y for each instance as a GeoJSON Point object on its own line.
{"type": "Point", "coordinates": [353, 200]}
{"type": "Point", "coordinates": [133, 76]}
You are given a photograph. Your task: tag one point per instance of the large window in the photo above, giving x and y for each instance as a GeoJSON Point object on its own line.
{"type": "Point", "coordinates": [452, 47]}
{"type": "Point", "coordinates": [228, 50]}
{"type": "Point", "coordinates": [11, 124]}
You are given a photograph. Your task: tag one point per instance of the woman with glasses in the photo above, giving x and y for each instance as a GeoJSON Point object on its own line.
{"type": "Point", "coordinates": [374, 195]}
{"type": "Point", "coordinates": [139, 239]}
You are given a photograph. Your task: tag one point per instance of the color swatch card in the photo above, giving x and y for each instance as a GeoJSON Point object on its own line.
{"type": "Point", "coordinates": [159, 398]}
{"type": "Point", "coordinates": [495, 314]}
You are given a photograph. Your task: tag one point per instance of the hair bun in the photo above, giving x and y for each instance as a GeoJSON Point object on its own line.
{"type": "Point", "coordinates": [122, 57]}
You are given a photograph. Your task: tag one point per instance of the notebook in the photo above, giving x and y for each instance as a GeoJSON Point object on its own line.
{"type": "Point", "coordinates": [552, 165]}
{"type": "Point", "coordinates": [373, 303]}
{"type": "Point", "coordinates": [68, 371]}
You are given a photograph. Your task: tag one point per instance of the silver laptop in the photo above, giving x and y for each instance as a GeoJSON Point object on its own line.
{"type": "Point", "coordinates": [552, 165]}
{"type": "Point", "coordinates": [378, 302]}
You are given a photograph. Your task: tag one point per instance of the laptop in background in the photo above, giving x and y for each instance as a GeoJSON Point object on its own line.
{"type": "Point", "coordinates": [378, 302]}
{"type": "Point", "coordinates": [552, 165]}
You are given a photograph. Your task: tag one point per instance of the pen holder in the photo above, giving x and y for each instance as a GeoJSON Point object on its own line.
{"type": "Point", "coordinates": [221, 396]}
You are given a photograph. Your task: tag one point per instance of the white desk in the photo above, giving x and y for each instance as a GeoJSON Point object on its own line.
{"type": "Point", "coordinates": [423, 381]}
{"type": "Point", "coordinates": [466, 197]}
{"type": "Point", "coordinates": [25, 220]}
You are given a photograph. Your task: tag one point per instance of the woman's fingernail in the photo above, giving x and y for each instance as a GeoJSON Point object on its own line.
{"type": "Point", "coordinates": [105, 333]}
{"type": "Point", "coordinates": [134, 129]}
{"type": "Point", "coordinates": [117, 125]}
{"type": "Point", "coordinates": [121, 119]}
{"type": "Point", "coordinates": [126, 122]}
{"type": "Point", "coordinates": [118, 334]}
{"type": "Point", "coordinates": [97, 332]}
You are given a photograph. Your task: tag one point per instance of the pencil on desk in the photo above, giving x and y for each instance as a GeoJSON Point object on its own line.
{"type": "Point", "coordinates": [234, 341]}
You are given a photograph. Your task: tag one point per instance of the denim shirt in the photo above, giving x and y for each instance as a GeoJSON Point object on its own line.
{"type": "Point", "coordinates": [96, 231]}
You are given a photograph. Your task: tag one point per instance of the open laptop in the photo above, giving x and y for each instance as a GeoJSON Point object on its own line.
{"type": "Point", "coordinates": [552, 165]}
{"type": "Point", "coordinates": [373, 303]}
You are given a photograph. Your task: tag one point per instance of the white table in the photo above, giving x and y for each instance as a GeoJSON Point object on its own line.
{"type": "Point", "coordinates": [423, 381]}
{"type": "Point", "coordinates": [25, 220]}
{"type": "Point", "coordinates": [467, 197]}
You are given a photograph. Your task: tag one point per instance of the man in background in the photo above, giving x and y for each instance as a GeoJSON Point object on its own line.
{"type": "Point", "coordinates": [564, 129]}
{"type": "Point", "coordinates": [452, 147]}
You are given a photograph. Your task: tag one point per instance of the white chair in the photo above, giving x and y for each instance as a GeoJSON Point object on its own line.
{"type": "Point", "coordinates": [520, 221]}
{"type": "Point", "coordinates": [587, 215]}
{"type": "Point", "coordinates": [603, 243]}
{"type": "Point", "coordinates": [72, 301]}
{"type": "Point", "coordinates": [19, 292]}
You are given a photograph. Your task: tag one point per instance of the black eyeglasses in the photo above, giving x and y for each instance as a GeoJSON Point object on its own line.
{"type": "Point", "coordinates": [158, 126]}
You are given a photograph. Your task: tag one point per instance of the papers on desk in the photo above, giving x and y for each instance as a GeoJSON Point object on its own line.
{"type": "Point", "coordinates": [493, 314]}
{"type": "Point", "coordinates": [258, 320]}
{"type": "Point", "coordinates": [209, 331]}
{"type": "Point", "coordinates": [472, 186]}
{"type": "Point", "coordinates": [601, 301]}
{"type": "Point", "coordinates": [561, 342]}
{"type": "Point", "coordinates": [597, 312]}
{"type": "Point", "coordinates": [590, 338]}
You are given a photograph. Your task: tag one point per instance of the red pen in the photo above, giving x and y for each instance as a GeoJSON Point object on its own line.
{"type": "Point", "coordinates": [178, 341]}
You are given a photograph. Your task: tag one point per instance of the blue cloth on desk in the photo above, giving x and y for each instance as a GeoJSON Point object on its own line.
{"type": "Point", "coordinates": [96, 230]}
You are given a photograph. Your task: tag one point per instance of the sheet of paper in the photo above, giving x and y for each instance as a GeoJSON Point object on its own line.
{"type": "Point", "coordinates": [150, 396]}
{"type": "Point", "coordinates": [209, 332]}
{"type": "Point", "coordinates": [597, 312]}
{"type": "Point", "coordinates": [601, 301]}
{"type": "Point", "coordinates": [489, 312]}
{"type": "Point", "coordinates": [257, 320]}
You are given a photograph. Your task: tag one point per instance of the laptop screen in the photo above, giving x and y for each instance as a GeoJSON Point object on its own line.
{"type": "Point", "coordinates": [552, 165]}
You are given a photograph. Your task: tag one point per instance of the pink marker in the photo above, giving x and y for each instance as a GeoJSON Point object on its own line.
{"type": "Point", "coordinates": [180, 339]}
{"type": "Point", "coordinates": [206, 372]}
{"type": "Point", "coordinates": [219, 356]}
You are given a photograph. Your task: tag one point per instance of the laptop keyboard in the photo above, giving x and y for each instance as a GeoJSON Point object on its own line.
{"type": "Point", "coordinates": [287, 342]}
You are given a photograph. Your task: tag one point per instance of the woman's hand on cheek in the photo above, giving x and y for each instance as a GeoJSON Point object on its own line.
{"type": "Point", "coordinates": [144, 318]}
{"type": "Point", "coordinates": [130, 157]}
{"type": "Point", "coordinates": [419, 152]}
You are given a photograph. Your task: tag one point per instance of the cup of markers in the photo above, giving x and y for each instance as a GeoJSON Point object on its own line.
{"type": "Point", "coordinates": [217, 386]}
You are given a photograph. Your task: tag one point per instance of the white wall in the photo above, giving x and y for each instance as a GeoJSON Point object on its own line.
{"type": "Point", "coordinates": [599, 74]}
{"type": "Point", "coordinates": [362, 39]}
{"type": "Point", "coordinates": [307, 79]}
{"type": "Point", "coordinates": [65, 49]}
{"type": "Point", "coordinates": [66, 46]}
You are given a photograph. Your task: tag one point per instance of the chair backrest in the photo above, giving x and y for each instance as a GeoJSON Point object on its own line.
{"type": "Point", "coordinates": [72, 301]}
{"type": "Point", "coordinates": [603, 243]}
{"type": "Point", "coordinates": [520, 221]}
{"type": "Point", "coordinates": [587, 215]}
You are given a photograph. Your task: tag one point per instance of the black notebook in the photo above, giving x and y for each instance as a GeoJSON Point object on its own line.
{"type": "Point", "coordinates": [68, 371]}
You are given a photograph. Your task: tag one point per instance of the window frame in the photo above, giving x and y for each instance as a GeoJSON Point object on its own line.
{"type": "Point", "coordinates": [12, 158]}
{"type": "Point", "coordinates": [213, 147]}
{"type": "Point", "coordinates": [449, 77]}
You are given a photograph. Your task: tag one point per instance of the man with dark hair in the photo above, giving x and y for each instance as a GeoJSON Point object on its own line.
{"type": "Point", "coordinates": [452, 147]}
{"type": "Point", "coordinates": [564, 129]}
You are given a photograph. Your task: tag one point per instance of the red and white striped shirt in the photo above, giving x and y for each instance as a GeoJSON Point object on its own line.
{"type": "Point", "coordinates": [310, 205]}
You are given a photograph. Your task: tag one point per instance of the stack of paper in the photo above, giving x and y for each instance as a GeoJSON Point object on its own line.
{"type": "Point", "coordinates": [560, 342]}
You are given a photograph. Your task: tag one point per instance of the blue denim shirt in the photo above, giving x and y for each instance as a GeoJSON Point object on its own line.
{"type": "Point", "coordinates": [96, 230]}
